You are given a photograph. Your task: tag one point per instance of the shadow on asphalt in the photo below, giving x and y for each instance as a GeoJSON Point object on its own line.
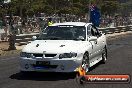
{"type": "Point", "coordinates": [43, 76]}
{"type": "Point", "coordinates": [95, 66]}
{"type": "Point", "coordinates": [46, 76]}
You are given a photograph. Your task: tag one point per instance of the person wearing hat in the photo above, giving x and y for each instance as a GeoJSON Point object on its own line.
{"type": "Point", "coordinates": [50, 22]}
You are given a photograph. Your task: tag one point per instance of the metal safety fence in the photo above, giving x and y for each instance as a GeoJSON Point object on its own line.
{"type": "Point", "coordinates": [24, 39]}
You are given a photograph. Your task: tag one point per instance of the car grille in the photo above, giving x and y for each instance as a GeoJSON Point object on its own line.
{"type": "Point", "coordinates": [50, 55]}
{"type": "Point", "coordinates": [46, 55]}
{"type": "Point", "coordinates": [38, 55]}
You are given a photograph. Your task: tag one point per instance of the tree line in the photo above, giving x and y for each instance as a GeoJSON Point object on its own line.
{"type": "Point", "coordinates": [76, 7]}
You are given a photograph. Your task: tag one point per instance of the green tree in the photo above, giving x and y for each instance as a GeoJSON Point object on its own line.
{"type": "Point", "coordinates": [109, 7]}
{"type": "Point", "coordinates": [126, 8]}
{"type": "Point", "coordinates": [78, 7]}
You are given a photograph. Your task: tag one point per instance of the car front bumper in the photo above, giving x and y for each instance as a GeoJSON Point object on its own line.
{"type": "Point", "coordinates": [56, 65]}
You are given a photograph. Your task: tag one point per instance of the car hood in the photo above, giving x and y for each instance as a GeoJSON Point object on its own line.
{"type": "Point", "coordinates": [54, 46]}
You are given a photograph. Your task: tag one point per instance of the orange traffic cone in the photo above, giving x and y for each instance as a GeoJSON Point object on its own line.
{"type": "Point", "coordinates": [81, 71]}
{"type": "Point", "coordinates": [80, 78]}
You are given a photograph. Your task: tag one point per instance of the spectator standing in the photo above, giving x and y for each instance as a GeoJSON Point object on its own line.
{"type": "Point", "coordinates": [50, 21]}
{"type": "Point", "coordinates": [5, 27]}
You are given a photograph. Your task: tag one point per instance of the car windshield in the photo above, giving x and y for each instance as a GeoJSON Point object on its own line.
{"type": "Point", "coordinates": [63, 33]}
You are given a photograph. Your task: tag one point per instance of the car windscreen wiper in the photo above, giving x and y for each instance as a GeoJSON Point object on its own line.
{"type": "Point", "coordinates": [78, 39]}
{"type": "Point", "coordinates": [52, 38]}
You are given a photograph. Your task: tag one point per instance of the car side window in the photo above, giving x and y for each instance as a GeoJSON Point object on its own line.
{"type": "Point", "coordinates": [95, 31]}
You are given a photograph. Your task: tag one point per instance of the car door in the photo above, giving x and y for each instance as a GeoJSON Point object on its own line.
{"type": "Point", "coordinates": [92, 54]}
{"type": "Point", "coordinates": [100, 42]}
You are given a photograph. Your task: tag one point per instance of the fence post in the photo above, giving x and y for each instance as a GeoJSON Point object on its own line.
{"type": "Point", "coordinates": [12, 40]}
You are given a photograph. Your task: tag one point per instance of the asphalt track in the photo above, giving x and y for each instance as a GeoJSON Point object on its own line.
{"type": "Point", "coordinates": [119, 62]}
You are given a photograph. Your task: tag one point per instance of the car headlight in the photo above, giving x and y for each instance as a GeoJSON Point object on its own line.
{"type": "Point", "coordinates": [67, 55]}
{"type": "Point", "coordinates": [24, 54]}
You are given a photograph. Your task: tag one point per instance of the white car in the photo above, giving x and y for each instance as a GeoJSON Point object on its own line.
{"type": "Point", "coordinates": [64, 47]}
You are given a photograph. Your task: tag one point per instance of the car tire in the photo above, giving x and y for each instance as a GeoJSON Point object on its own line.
{"type": "Point", "coordinates": [25, 72]}
{"type": "Point", "coordinates": [104, 55]}
{"type": "Point", "coordinates": [81, 80]}
{"type": "Point", "coordinates": [85, 62]}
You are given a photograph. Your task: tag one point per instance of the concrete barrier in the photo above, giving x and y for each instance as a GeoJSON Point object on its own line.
{"type": "Point", "coordinates": [129, 27]}
{"type": "Point", "coordinates": [119, 29]}
{"type": "Point", "coordinates": [24, 39]}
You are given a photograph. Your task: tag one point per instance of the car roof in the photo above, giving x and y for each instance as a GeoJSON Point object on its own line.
{"type": "Point", "coordinates": [71, 23]}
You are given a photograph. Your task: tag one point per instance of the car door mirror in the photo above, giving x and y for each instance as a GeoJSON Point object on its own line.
{"type": "Point", "coordinates": [100, 33]}
{"type": "Point", "coordinates": [34, 38]}
{"type": "Point", "coordinates": [92, 38]}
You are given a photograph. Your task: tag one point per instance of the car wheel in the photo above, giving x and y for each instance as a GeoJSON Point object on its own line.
{"type": "Point", "coordinates": [85, 62]}
{"type": "Point", "coordinates": [104, 55]}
